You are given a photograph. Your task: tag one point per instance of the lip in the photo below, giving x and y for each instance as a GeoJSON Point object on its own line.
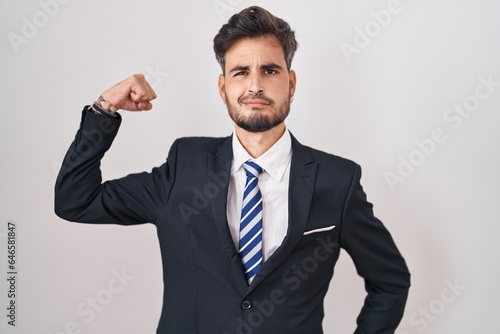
{"type": "Point", "coordinates": [256, 103]}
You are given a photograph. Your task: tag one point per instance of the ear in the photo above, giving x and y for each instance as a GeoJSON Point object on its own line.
{"type": "Point", "coordinates": [222, 87]}
{"type": "Point", "coordinates": [293, 82]}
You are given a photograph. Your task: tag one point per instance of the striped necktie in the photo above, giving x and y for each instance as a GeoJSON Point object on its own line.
{"type": "Point", "coordinates": [251, 222]}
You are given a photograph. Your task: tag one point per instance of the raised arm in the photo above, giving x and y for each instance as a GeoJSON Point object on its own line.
{"type": "Point", "coordinates": [80, 194]}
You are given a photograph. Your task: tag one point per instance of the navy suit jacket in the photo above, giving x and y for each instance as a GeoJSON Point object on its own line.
{"type": "Point", "coordinates": [205, 290]}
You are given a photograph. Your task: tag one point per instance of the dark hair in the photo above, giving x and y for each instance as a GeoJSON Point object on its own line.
{"type": "Point", "coordinates": [254, 22]}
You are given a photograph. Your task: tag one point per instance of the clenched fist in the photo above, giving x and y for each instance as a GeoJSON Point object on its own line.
{"type": "Point", "coordinates": [133, 94]}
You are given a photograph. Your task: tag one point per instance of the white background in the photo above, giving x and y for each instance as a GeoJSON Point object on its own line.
{"type": "Point", "coordinates": [371, 107]}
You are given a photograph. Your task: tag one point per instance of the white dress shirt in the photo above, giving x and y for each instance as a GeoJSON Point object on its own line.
{"type": "Point", "coordinates": [273, 184]}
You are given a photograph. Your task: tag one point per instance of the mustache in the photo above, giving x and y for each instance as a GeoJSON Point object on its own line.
{"type": "Point", "coordinates": [255, 97]}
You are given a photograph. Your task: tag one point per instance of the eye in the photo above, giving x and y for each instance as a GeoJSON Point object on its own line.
{"type": "Point", "coordinates": [240, 73]}
{"type": "Point", "coordinates": [269, 71]}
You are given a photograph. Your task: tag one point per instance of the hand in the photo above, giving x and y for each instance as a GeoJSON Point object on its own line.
{"type": "Point", "coordinates": [133, 94]}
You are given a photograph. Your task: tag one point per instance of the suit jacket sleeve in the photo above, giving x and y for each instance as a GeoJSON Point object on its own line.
{"type": "Point", "coordinates": [377, 260]}
{"type": "Point", "coordinates": [80, 194]}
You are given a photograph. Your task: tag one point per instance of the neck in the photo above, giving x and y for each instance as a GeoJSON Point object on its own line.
{"type": "Point", "coordinates": [258, 143]}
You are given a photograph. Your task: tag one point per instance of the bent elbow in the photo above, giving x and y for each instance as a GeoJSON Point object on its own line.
{"type": "Point", "coordinates": [62, 212]}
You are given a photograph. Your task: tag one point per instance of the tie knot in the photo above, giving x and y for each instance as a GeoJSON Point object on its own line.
{"type": "Point", "coordinates": [252, 169]}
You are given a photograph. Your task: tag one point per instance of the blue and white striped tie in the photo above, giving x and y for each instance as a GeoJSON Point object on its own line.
{"type": "Point", "coordinates": [251, 222]}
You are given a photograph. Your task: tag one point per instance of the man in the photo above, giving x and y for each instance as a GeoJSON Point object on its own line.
{"type": "Point", "coordinates": [250, 226]}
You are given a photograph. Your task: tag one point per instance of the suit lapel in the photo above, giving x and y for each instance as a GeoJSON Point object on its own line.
{"type": "Point", "coordinates": [219, 165]}
{"type": "Point", "coordinates": [300, 193]}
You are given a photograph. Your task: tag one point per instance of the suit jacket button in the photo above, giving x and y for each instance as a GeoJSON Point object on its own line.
{"type": "Point", "coordinates": [246, 305]}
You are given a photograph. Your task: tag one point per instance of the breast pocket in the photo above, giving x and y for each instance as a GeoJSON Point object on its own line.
{"type": "Point", "coordinates": [320, 241]}
{"type": "Point", "coordinates": [319, 230]}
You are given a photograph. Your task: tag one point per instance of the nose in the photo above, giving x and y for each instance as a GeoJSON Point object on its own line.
{"type": "Point", "coordinates": [255, 86]}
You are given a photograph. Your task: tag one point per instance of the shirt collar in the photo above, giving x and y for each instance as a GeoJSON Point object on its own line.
{"type": "Point", "coordinates": [274, 161]}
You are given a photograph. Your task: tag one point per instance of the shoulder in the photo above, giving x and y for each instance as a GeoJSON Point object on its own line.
{"type": "Point", "coordinates": [323, 158]}
{"type": "Point", "coordinates": [202, 141]}
{"type": "Point", "coordinates": [333, 173]}
{"type": "Point", "coordinates": [196, 145]}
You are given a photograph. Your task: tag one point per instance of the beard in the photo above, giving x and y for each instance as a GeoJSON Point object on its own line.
{"type": "Point", "coordinates": [258, 120]}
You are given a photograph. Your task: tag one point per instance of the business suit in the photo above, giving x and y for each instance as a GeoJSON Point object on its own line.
{"type": "Point", "coordinates": [205, 290]}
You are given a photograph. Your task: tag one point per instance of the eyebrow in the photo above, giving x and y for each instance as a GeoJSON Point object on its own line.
{"type": "Point", "coordinates": [270, 66]}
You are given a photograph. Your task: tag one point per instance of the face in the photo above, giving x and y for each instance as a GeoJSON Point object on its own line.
{"type": "Point", "coordinates": [256, 85]}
